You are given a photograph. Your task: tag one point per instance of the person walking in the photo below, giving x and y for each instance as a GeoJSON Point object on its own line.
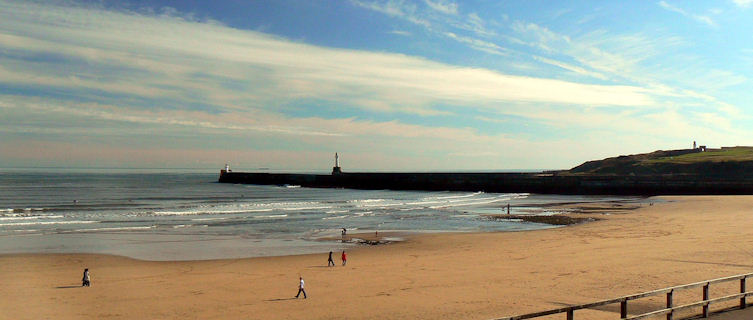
{"type": "Point", "coordinates": [85, 281]}
{"type": "Point", "coordinates": [344, 257]}
{"type": "Point", "coordinates": [300, 289]}
{"type": "Point", "coordinates": [330, 262]}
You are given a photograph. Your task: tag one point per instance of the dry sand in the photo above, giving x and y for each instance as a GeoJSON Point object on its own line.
{"type": "Point", "coordinates": [456, 276]}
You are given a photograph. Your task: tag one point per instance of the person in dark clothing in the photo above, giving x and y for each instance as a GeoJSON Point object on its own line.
{"type": "Point", "coordinates": [85, 280]}
{"type": "Point", "coordinates": [330, 262]}
{"type": "Point", "coordinates": [300, 289]}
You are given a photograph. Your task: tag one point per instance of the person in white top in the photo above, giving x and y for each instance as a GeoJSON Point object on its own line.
{"type": "Point", "coordinates": [300, 289]}
{"type": "Point", "coordinates": [85, 280]}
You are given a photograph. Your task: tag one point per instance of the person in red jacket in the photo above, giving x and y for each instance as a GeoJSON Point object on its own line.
{"type": "Point", "coordinates": [344, 257]}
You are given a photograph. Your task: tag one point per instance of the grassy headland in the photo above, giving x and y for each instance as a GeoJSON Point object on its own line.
{"type": "Point", "coordinates": [723, 162]}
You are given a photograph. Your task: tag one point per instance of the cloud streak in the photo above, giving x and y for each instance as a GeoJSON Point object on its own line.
{"type": "Point", "coordinates": [82, 73]}
{"type": "Point", "coordinates": [252, 65]}
{"type": "Point", "coordinates": [699, 18]}
{"type": "Point", "coordinates": [446, 7]}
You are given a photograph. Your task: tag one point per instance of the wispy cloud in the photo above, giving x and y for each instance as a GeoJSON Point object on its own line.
{"type": "Point", "coordinates": [448, 24]}
{"type": "Point", "coordinates": [443, 6]}
{"type": "Point", "coordinates": [109, 76]}
{"type": "Point", "coordinates": [203, 61]}
{"type": "Point", "coordinates": [477, 44]}
{"type": "Point", "coordinates": [401, 33]}
{"type": "Point", "coordinates": [540, 36]}
{"type": "Point", "coordinates": [697, 17]}
{"type": "Point", "coordinates": [113, 74]}
{"type": "Point", "coordinates": [395, 8]}
{"type": "Point", "coordinates": [743, 3]}
{"type": "Point", "coordinates": [572, 68]}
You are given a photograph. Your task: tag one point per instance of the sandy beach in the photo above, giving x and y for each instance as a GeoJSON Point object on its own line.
{"type": "Point", "coordinates": [677, 240]}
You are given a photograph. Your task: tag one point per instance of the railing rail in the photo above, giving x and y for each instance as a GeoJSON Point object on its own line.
{"type": "Point", "coordinates": [669, 310]}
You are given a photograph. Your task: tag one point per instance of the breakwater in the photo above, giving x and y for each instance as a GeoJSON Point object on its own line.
{"type": "Point", "coordinates": [544, 182]}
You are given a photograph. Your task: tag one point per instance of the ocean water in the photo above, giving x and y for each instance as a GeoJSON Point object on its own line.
{"type": "Point", "coordinates": [181, 216]}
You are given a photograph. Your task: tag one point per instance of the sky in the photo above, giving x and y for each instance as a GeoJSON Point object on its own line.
{"type": "Point", "coordinates": [425, 85]}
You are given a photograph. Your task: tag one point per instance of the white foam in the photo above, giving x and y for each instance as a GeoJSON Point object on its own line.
{"type": "Point", "coordinates": [456, 197]}
{"type": "Point", "coordinates": [272, 216]}
{"type": "Point", "coordinates": [24, 230]}
{"type": "Point", "coordinates": [335, 217]}
{"type": "Point", "coordinates": [305, 208]}
{"type": "Point", "coordinates": [385, 205]}
{"type": "Point", "coordinates": [115, 229]}
{"type": "Point", "coordinates": [19, 217]}
{"type": "Point", "coordinates": [366, 200]}
{"type": "Point", "coordinates": [47, 222]}
{"type": "Point", "coordinates": [183, 213]}
{"type": "Point", "coordinates": [209, 219]}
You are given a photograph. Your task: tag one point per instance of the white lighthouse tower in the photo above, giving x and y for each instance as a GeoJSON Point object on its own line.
{"type": "Point", "coordinates": [226, 170]}
{"type": "Point", "coordinates": [336, 168]}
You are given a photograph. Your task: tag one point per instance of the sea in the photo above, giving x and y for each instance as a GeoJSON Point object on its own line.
{"type": "Point", "coordinates": [173, 215]}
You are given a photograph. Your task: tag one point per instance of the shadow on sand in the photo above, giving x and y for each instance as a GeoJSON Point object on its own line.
{"type": "Point", "coordinates": [68, 287]}
{"type": "Point", "coordinates": [281, 299]}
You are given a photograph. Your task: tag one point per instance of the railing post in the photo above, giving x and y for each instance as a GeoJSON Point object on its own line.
{"type": "Point", "coordinates": [623, 309]}
{"type": "Point", "coordinates": [570, 314]}
{"type": "Point", "coordinates": [742, 290]}
{"type": "Point", "coordinates": [706, 298]}
{"type": "Point", "coordinates": [669, 304]}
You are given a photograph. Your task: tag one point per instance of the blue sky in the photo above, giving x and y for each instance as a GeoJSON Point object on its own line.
{"type": "Point", "coordinates": [390, 85]}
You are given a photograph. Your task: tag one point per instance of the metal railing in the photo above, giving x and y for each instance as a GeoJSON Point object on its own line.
{"type": "Point", "coordinates": [668, 311]}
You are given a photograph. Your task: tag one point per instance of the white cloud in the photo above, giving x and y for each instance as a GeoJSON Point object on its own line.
{"type": "Point", "coordinates": [401, 33]}
{"type": "Point", "coordinates": [199, 77]}
{"type": "Point", "coordinates": [700, 18]}
{"type": "Point", "coordinates": [541, 37]}
{"type": "Point", "coordinates": [572, 68]}
{"type": "Point", "coordinates": [395, 8]}
{"type": "Point", "coordinates": [439, 24]}
{"type": "Point", "coordinates": [443, 6]}
{"type": "Point", "coordinates": [622, 59]}
{"type": "Point", "coordinates": [743, 3]}
{"type": "Point", "coordinates": [475, 24]}
{"type": "Point", "coordinates": [262, 66]}
{"type": "Point", "coordinates": [477, 44]}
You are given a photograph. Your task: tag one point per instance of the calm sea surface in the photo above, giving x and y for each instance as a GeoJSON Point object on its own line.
{"type": "Point", "coordinates": [178, 216]}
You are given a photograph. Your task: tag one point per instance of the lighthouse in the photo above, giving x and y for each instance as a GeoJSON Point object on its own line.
{"type": "Point", "coordinates": [336, 168]}
{"type": "Point", "coordinates": [226, 170]}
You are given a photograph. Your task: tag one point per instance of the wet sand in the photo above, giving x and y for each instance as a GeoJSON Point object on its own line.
{"type": "Point", "coordinates": [463, 276]}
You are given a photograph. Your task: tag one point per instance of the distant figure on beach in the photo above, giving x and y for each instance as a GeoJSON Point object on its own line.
{"type": "Point", "coordinates": [300, 289]}
{"type": "Point", "coordinates": [85, 281]}
{"type": "Point", "coordinates": [508, 208]}
{"type": "Point", "coordinates": [344, 257]}
{"type": "Point", "coordinates": [344, 231]}
{"type": "Point", "coordinates": [330, 262]}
